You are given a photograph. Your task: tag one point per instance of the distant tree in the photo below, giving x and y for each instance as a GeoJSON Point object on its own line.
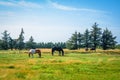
{"type": "Point", "coordinates": [69, 44]}
{"type": "Point", "coordinates": [5, 40]}
{"type": "Point", "coordinates": [80, 40]}
{"type": "Point", "coordinates": [118, 46]}
{"type": "Point", "coordinates": [72, 42]}
{"type": "Point", "coordinates": [11, 43]}
{"type": "Point", "coordinates": [30, 44]}
{"type": "Point", "coordinates": [15, 43]}
{"type": "Point", "coordinates": [40, 45]}
{"type": "Point", "coordinates": [108, 41]}
{"type": "Point", "coordinates": [86, 39]}
{"type": "Point", "coordinates": [20, 40]}
{"type": "Point", "coordinates": [50, 44]}
{"type": "Point", "coordinates": [95, 36]}
{"type": "Point", "coordinates": [1, 42]}
{"type": "Point", "coordinates": [60, 44]}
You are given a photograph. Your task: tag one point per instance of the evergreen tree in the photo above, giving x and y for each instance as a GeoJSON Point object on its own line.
{"type": "Point", "coordinates": [95, 36]}
{"type": "Point", "coordinates": [5, 40]}
{"type": "Point", "coordinates": [87, 39]}
{"type": "Point", "coordinates": [1, 42]}
{"type": "Point", "coordinates": [20, 41]}
{"type": "Point", "coordinates": [72, 42]}
{"type": "Point", "coordinates": [69, 44]}
{"type": "Point", "coordinates": [30, 44]}
{"type": "Point", "coordinates": [11, 43]}
{"type": "Point", "coordinates": [108, 41]}
{"type": "Point", "coordinates": [80, 40]}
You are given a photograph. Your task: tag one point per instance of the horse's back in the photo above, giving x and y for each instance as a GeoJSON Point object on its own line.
{"type": "Point", "coordinates": [57, 48]}
{"type": "Point", "coordinates": [38, 51]}
{"type": "Point", "coordinates": [32, 51]}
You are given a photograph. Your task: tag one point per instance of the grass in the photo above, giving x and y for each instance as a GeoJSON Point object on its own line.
{"type": "Point", "coordinates": [75, 65]}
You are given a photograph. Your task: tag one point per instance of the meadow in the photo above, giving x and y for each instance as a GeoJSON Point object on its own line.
{"type": "Point", "coordinates": [75, 65]}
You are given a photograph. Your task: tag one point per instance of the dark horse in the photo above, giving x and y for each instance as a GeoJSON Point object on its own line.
{"type": "Point", "coordinates": [57, 49]}
{"type": "Point", "coordinates": [33, 51]}
{"type": "Point", "coordinates": [92, 49]}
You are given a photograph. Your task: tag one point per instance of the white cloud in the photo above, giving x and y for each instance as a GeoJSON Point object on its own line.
{"type": "Point", "coordinates": [62, 7]}
{"type": "Point", "coordinates": [69, 8]}
{"type": "Point", "coordinates": [20, 4]}
{"type": "Point", "coordinates": [4, 3]}
{"type": "Point", "coordinates": [29, 4]}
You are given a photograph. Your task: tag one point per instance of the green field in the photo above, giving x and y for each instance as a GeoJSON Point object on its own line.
{"type": "Point", "coordinates": [15, 65]}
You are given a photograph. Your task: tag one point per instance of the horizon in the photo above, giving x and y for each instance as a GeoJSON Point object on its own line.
{"type": "Point", "coordinates": [57, 20]}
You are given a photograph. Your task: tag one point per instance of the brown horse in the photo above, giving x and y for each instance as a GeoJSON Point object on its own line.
{"type": "Point", "coordinates": [33, 51]}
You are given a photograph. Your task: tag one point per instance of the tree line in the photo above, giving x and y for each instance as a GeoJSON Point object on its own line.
{"type": "Point", "coordinates": [7, 42]}
{"type": "Point", "coordinates": [93, 38]}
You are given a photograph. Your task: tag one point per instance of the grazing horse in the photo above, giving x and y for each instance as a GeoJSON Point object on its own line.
{"type": "Point", "coordinates": [86, 49]}
{"type": "Point", "coordinates": [57, 49]}
{"type": "Point", "coordinates": [92, 49]}
{"type": "Point", "coordinates": [33, 51]}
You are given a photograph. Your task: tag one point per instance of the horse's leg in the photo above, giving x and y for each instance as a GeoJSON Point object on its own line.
{"type": "Point", "coordinates": [32, 55]}
{"type": "Point", "coordinates": [59, 53]}
{"type": "Point", "coordinates": [39, 54]}
{"type": "Point", "coordinates": [52, 52]}
{"type": "Point", "coordinates": [62, 53]}
{"type": "Point", "coordinates": [29, 54]}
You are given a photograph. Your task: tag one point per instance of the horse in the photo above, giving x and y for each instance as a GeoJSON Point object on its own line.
{"type": "Point", "coordinates": [92, 49]}
{"type": "Point", "coordinates": [86, 49]}
{"type": "Point", "coordinates": [33, 51]}
{"type": "Point", "coordinates": [59, 49]}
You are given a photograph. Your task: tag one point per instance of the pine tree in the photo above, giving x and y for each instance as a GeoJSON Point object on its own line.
{"type": "Point", "coordinates": [30, 44]}
{"type": "Point", "coordinates": [20, 41]}
{"type": "Point", "coordinates": [80, 40]}
{"type": "Point", "coordinates": [5, 40]}
{"type": "Point", "coordinates": [1, 42]}
{"type": "Point", "coordinates": [87, 39]}
{"type": "Point", "coordinates": [95, 36]}
{"type": "Point", "coordinates": [72, 42]}
{"type": "Point", "coordinates": [108, 41]}
{"type": "Point", "coordinates": [11, 43]}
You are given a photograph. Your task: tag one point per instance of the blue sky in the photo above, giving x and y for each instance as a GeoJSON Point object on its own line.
{"type": "Point", "coordinates": [57, 20]}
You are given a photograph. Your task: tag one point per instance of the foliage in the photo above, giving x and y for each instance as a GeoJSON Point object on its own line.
{"type": "Point", "coordinates": [30, 44]}
{"type": "Point", "coordinates": [72, 42]}
{"type": "Point", "coordinates": [108, 41]}
{"type": "Point", "coordinates": [5, 40]}
{"type": "Point", "coordinates": [11, 43]}
{"type": "Point", "coordinates": [50, 44]}
{"type": "Point", "coordinates": [95, 36]}
{"type": "Point", "coordinates": [20, 41]}
{"type": "Point", "coordinates": [86, 40]}
{"type": "Point", "coordinates": [80, 40]}
{"type": "Point", "coordinates": [1, 42]}
{"type": "Point", "coordinates": [92, 39]}
{"type": "Point", "coordinates": [117, 46]}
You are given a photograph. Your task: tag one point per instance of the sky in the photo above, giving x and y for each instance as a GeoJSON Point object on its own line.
{"type": "Point", "coordinates": [57, 20]}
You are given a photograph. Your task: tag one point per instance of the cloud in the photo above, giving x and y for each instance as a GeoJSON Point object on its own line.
{"type": "Point", "coordinates": [69, 8]}
{"type": "Point", "coordinates": [29, 4]}
{"type": "Point", "coordinates": [20, 4]}
{"type": "Point", "coordinates": [4, 3]}
{"type": "Point", "coordinates": [62, 7]}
